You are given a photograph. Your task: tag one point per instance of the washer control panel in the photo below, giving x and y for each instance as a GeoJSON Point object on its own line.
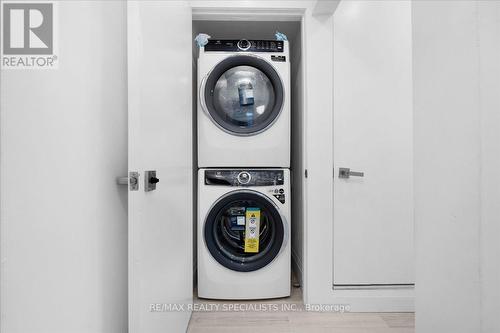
{"type": "Point", "coordinates": [242, 45]}
{"type": "Point", "coordinates": [227, 177]}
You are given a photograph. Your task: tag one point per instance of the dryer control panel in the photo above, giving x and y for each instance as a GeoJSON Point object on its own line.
{"type": "Point", "coordinates": [242, 177]}
{"type": "Point", "coordinates": [242, 45]}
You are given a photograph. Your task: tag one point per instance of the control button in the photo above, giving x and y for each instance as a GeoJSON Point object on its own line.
{"type": "Point", "coordinates": [280, 197]}
{"type": "Point", "coordinates": [244, 44]}
{"type": "Point", "coordinates": [282, 191]}
{"type": "Point", "coordinates": [244, 177]}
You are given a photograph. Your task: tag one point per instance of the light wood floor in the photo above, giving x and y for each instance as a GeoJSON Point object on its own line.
{"type": "Point", "coordinates": [296, 322]}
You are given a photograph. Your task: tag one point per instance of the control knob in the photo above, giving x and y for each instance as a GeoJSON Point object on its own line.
{"type": "Point", "coordinates": [244, 44]}
{"type": "Point", "coordinates": [244, 177]}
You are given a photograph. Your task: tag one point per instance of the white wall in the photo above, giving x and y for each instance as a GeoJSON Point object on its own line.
{"type": "Point", "coordinates": [489, 60]}
{"type": "Point", "coordinates": [297, 164]}
{"type": "Point", "coordinates": [230, 29]}
{"type": "Point", "coordinates": [457, 158]}
{"type": "Point", "coordinates": [63, 218]}
{"type": "Point", "coordinates": [318, 103]}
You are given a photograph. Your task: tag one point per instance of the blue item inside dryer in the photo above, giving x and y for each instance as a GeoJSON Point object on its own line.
{"type": "Point", "coordinates": [245, 91]}
{"type": "Point", "coordinates": [237, 218]}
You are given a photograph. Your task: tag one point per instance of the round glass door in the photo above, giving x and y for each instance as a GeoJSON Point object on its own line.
{"type": "Point", "coordinates": [243, 95]}
{"type": "Point", "coordinates": [229, 225]}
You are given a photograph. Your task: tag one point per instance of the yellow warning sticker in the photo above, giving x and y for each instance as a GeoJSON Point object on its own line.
{"type": "Point", "coordinates": [252, 230]}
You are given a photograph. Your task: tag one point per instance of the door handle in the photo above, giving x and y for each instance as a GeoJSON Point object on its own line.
{"type": "Point", "coordinates": [347, 173]}
{"type": "Point", "coordinates": [132, 180]}
{"type": "Point", "coordinates": [122, 180]}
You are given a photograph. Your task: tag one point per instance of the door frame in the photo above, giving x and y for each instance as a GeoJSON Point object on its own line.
{"type": "Point", "coordinates": [317, 103]}
{"type": "Point", "coordinates": [318, 287]}
{"type": "Point", "coordinates": [262, 10]}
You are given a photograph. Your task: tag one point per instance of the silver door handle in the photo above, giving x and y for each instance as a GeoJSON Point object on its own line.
{"type": "Point", "coordinates": [122, 180]}
{"type": "Point", "coordinates": [346, 173]}
{"type": "Point", "coordinates": [132, 180]}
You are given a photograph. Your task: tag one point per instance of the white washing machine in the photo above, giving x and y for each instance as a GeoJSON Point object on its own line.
{"type": "Point", "coordinates": [244, 104]}
{"type": "Point", "coordinates": [243, 233]}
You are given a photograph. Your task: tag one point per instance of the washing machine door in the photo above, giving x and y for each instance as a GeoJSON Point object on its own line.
{"type": "Point", "coordinates": [243, 95]}
{"type": "Point", "coordinates": [225, 229]}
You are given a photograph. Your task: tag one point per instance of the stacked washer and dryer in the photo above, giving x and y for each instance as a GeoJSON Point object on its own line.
{"type": "Point", "coordinates": [244, 178]}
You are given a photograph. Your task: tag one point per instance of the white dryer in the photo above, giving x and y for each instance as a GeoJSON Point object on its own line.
{"type": "Point", "coordinates": [244, 104]}
{"type": "Point", "coordinates": [243, 233]}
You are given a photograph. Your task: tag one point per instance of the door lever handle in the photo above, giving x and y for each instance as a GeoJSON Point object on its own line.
{"type": "Point", "coordinates": [346, 173]}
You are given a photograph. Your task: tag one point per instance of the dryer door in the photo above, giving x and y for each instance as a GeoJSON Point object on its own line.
{"type": "Point", "coordinates": [243, 95]}
{"type": "Point", "coordinates": [228, 222]}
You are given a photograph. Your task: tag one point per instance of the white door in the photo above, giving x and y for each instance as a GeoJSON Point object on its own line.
{"type": "Point", "coordinates": [373, 215]}
{"type": "Point", "coordinates": [160, 139]}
